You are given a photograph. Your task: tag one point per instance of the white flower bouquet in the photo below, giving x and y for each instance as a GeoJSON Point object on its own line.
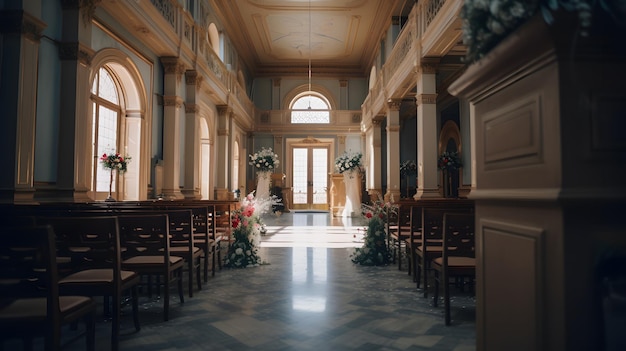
{"type": "Point", "coordinates": [264, 160]}
{"type": "Point", "coordinates": [348, 162]}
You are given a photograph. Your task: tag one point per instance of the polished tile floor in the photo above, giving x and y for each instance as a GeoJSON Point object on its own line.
{"type": "Point", "coordinates": [307, 295]}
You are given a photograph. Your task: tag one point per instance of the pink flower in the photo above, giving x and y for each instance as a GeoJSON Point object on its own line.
{"type": "Point", "coordinates": [245, 222]}
{"type": "Point", "coordinates": [235, 222]}
{"type": "Point", "coordinates": [249, 211]}
{"type": "Point", "coordinates": [368, 215]}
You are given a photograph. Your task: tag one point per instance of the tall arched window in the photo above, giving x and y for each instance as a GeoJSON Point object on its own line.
{"type": "Point", "coordinates": [106, 121]}
{"type": "Point", "coordinates": [310, 107]}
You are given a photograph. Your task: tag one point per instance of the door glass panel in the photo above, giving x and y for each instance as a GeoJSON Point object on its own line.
{"type": "Point", "coordinates": [320, 176]}
{"type": "Point", "coordinates": [300, 168]}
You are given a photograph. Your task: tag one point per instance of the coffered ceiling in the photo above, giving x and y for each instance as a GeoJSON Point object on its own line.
{"type": "Point", "coordinates": [281, 36]}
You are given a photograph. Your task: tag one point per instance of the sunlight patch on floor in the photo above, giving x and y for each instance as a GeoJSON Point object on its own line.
{"type": "Point", "coordinates": [315, 236]}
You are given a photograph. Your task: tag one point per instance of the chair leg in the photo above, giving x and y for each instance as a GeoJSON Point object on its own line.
{"type": "Point", "coordinates": [415, 267]}
{"type": "Point", "coordinates": [90, 331]}
{"type": "Point", "coordinates": [199, 273]}
{"type": "Point", "coordinates": [418, 271]}
{"type": "Point", "coordinates": [409, 267]}
{"type": "Point", "coordinates": [399, 255]}
{"type": "Point", "coordinates": [219, 257]}
{"type": "Point", "coordinates": [190, 277]}
{"type": "Point", "coordinates": [446, 298]}
{"type": "Point", "coordinates": [181, 295]}
{"type": "Point", "coordinates": [166, 299]}
{"type": "Point", "coordinates": [135, 304]}
{"type": "Point", "coordinates": [115, 321]}
{"type": "Point", "coordinates": [436, 293]}
{"type": "Point", "coordinates": [425, 275]}
{"type": "Point", "coordinates": [213, 261]}
{"type": "Point", "coordinates": [207, 252]}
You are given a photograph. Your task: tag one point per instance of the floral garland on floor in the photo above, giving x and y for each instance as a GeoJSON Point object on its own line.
{"type": "Point", "coordinates": [374, 251]}
{"type": "Point", "coordinates": [247, 227]}
{"type": "Point", "coordinates": [348, 162]}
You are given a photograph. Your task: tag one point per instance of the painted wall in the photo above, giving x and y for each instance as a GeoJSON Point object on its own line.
{"type": "Point", "coordinates": [48, 96]}
{"type": "Point", "coordinates": [262, 93]}
{"type": "Point", "coordinates": [357, 92]}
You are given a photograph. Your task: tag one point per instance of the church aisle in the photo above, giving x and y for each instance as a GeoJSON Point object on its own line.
{"type": "Point", "coordinates": [309, 296]}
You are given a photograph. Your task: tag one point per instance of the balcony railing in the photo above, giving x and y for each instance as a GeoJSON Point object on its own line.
{"type": "Point", "coordinates": [404, 54]}
{"type": "Point", "coordinates": [193, 43]}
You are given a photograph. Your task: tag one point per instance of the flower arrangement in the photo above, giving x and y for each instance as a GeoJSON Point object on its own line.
{"type": "Point", "coordinates": [246, 226]}
{"type": "Point", "coordinates": [374, 251]}
{"type": "Point", "coordinates": [115, 161]}
{"type": "Point", "coordinates": [265, 160]}
{"type": "Point", "coordinates": [348, 162]}
{"type": "Point", "coordinates": [487, 22]}
{"type": "Point", "coordinates": [408, 168]}
{"type": "Point", "coordinates": [449, 160]}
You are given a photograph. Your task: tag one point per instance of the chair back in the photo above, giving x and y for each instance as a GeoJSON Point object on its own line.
{"type": "Point", "coordinates": [458, 235]}
{"type": "Point", "coordinates": [28, 266]}
{"type": "Point", "coordinates": [432, 225]}
{"type": "Point", "coordinates": [416, 221]}
{"type": "Point", "coordinates": [144, 234]}
{"type": "Point", "coordinates": [27, 261]}
{"type": "Point", "coordinates": [91, 242]}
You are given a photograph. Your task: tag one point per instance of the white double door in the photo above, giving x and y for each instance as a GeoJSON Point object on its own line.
{"type": "Point", "coordinates": [310, 177]}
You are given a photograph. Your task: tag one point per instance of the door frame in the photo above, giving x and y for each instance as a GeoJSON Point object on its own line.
{"type": "Point", "coordinates": [292, 143]}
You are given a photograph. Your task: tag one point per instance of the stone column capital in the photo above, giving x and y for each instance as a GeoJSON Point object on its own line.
{"type": "Point", "coordinates": [172, 65]}
{"type": "Point", "coordinates": [426, 99]}
{"type": "Point", "coordinates": [394, 104]}
{"type": "Point", "coordinates": [169, 100]}
{"type": "Point", "coordinates": [76, 51]}
{"type": "Point", "coordinates": [193, 78]}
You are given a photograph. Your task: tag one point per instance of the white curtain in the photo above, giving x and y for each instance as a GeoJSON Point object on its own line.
{"type": "Point", "coordinates": [263, 185]}
{"type": "Point", "coordinates": [352, 207]}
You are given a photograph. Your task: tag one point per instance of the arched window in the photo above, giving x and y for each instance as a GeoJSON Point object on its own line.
{"type": "Point", "coordinates": [106, 122]}
{"type": "Point", "coordinates": [310, 107]}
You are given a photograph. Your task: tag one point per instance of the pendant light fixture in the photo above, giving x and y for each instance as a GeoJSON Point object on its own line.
{"type": "Point", "coordinates": [310, 50]}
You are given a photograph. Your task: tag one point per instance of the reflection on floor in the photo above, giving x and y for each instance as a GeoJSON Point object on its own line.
{"type": "Point", "coordinates": [308, 296]}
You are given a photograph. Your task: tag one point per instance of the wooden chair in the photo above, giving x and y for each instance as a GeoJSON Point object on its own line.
{"type": "Point", "coordinates": [180, 232]}
{"type": "Point", "coordinates": [430, 245]}
{"type": "Point", "coordinates": [93, 246]}
{"type": "Point", "coordinates": [392, 229]}
{"type": "Point", "coordinates": [182, 243]}
{"type": "Point", "coordinates": [415, 239]}
{"type": "Point", "coordinates": [458, 255]}
{"type": "Point", "coordinates": [145, 239]}
{"type": "Point", "coordinates": [398, 231]}
{"type": "Point", "coordinates": [31, 305]}
{"type": "Point", "coordinates": [206, 238]}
